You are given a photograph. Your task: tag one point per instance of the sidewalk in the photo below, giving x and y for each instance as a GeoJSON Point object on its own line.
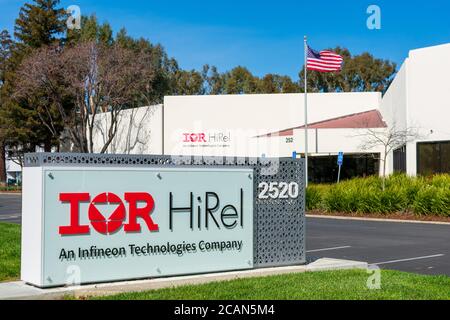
{"type": "Point", "coordinates": [19, 290]}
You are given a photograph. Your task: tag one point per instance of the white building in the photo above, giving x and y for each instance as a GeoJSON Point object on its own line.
{"type": "Point", "coordinates": [13, 172]}
{"type": "Point", "coordinates": [272, 124]}
{"type": "Point", "coordinates": [419, 97]}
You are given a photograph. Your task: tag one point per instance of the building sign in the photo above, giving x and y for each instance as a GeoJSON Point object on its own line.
{"type": "Point", "coordinates": [206, 139]}
{"type": "Point", "coordinates": [105, 224]}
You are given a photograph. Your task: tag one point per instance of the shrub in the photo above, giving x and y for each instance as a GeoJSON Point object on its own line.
{"type": "Point", "coordinates": [365, 195]}
{"type": "Point", "coordinates": [10, 188]}
{"type": "Point", "coordinates": [339, 198]}
{"type": "Point", "coordinates": [313, 198]}
{"type": "Point", "coordinates": [432, 200]}
{"type": "Point", "coordinates": [441, 181]}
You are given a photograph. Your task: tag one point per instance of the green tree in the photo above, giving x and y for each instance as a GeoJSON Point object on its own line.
{"type": "Point", "coordinates": [6, 44]}
{"type": "Point", "coordinates": [240, 81]}
{"type": "Point", "coordinates": [91, 30]}
{"type": "Point", "coordinates": [213, 81]}
{"type": "Point", "coordinates": [273, 83]}
{"type": "Point", "coordinates": [39, 23]}
{"type": "Point", "coordinates": [187, 83]}
{"type": "Point", "coordinates": [124, 40]}
{"type": "Point", "coordinates": [5, 53]}
{"type": "Point", "coordinates": [359, 73]}
{"type": "Point", "coordinates": [163, 69]}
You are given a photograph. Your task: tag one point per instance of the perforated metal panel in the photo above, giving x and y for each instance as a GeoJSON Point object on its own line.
{"type": "Point", "coordinates": [279, 237]}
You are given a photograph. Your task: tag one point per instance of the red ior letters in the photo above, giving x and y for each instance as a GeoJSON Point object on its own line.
{"type": "Point", "coordinates": [74, 199]}
{"type": "Point", "coordinates": [194, 137]}
{"type": "Point", "coordinates": [115, 221]}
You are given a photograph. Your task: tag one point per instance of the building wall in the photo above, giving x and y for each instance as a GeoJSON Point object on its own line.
{"type": "Point", "coordinates": [428, 97]}
{"type": "Point", "coordinates": [240, 118]}
{"type": "Point", "coordinates": [243, 117]}
{"type": "Point", "coordinates": [332, 141]}
{"type": "Point", "coordinates": [139, 131]}
{"type": "Point", "coordinates": [394, 107]}
{"type": "Point", "coordinates": [13, 170]}
{"type": "Point", "coordinates": [419, 99]}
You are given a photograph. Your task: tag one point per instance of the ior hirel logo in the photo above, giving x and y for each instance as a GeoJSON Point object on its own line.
{"type": "Point", "coordinates": [216, 137]}
{"type": "Point", "coordinates": [204, 212]}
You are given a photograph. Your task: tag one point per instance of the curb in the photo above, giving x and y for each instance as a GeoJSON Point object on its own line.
{"type": "Point", "coordinates": [19, 290]}
{"type": "Point", "coordinates": [375, 219]}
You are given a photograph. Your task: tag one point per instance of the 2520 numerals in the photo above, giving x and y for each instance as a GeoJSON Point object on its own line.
{"type": "Point", "coordinates": [278, 190]}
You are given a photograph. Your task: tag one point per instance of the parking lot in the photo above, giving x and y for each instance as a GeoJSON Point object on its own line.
{"type": "Point", "coordinates": [414, 247]}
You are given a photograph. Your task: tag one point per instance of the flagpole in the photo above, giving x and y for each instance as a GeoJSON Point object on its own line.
{"type": "Point", "coordinates": [306, 113]}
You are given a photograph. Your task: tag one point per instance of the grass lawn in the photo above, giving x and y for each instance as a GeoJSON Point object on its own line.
{"type": "Point", "coordinates": [9, 251]}
{"type": "Point", "coordinates": [349, 284]}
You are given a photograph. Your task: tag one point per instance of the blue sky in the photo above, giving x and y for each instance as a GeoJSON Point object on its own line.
{"type": "Point", "coordinates": [267, 36]}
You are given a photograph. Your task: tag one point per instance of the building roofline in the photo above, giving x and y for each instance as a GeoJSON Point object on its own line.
{"type": "Point", "coordinates": [289, 131]}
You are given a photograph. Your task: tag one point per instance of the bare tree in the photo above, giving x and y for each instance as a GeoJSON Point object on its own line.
{"type": "Point", "coordinates": [16, 152]}
{"type": "Point", "coordinates": [77, 83]}
{"type": "Point", "coordinates": [135, 134]}
{"type": "Point", "coordinates": [389, 139]}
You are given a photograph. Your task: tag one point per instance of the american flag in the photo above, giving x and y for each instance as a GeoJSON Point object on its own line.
{"type": "Point", "coordinates": [324, 61]}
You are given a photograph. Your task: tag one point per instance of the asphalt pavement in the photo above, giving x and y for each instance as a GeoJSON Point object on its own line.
{"type": "Point", "coordinates": [10, 208]}
{"type": "Point", "coordinates": [413, 247]}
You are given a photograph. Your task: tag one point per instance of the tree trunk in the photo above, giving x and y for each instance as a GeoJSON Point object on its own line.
{"type": "Point", "coordinates": [47, 145]}
{"type": "Point", "coordinates": [2, 163]}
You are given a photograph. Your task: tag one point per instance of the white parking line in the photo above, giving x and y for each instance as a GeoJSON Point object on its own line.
{"type": "Point", "coordinates": [9, 217]}
{"type": "Point", "coordinates": [409, 259]}
{"type": "Point", "coordinates": [327, 249]}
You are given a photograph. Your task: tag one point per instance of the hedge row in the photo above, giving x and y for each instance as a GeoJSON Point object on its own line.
{"type": "Point", "coordinates": [10, 188]}
{"type": "Point", "coordinates": [422, 196]}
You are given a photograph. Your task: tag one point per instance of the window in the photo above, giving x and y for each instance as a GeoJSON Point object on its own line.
{"type": "Point", "coordinates": [400, 159]}
{"type": "Point", "coordinates": [445, 157]}
{"type": "Point", "coordinates": [324, 169]}
{"type": "Point", "coordinates": [433, 157]}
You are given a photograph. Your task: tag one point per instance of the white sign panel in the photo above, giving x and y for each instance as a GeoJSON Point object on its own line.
{"type": "Point", "coordinates": [84, 225]}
